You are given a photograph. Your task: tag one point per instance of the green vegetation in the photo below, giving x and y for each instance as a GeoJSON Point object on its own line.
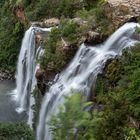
{"type": "Point", "coordinates": [11, 33]}
{"type": "Point", "coordinates": [112, 71]}
{"type": "Point", "coordinates": [95, 14]}
{"type": "Point", "coordinates": [56, 57]}
{"type": "Point", "coordinates": [51, 8]}
{"type": "Point", "coordinates": [15, 131]}
{"type": "Point", "coordinates": [121, 110]}
{"type": "Point", "coordinates": [36, 107]}
{"type": "Point", "coordinates": [71, 122]}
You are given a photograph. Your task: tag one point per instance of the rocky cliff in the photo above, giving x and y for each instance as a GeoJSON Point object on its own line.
{"type": "Point", "coordinates": [121, 11]}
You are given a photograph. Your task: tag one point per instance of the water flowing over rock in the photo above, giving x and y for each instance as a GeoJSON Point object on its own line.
{"type": "Point", "coordinates": [120, 11]}
{"type": "Point", "coordinates": [26, 68]}
{"type": "Point", "coordinates": [81, 74]}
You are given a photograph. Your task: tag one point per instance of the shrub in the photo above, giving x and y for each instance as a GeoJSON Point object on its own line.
{"type": "Point", "coordinates": [11, 33]}
{"type": "Point", "coordinates": [71, 122]}
{"type": "Point", "coordinates": [55, 57]}
{"type": "Point", "coordinates": [15, 131]}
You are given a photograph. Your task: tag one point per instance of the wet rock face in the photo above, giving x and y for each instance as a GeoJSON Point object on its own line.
{"type": "Point", "coordinates": [121, 11]}
{"type": "Point", "coordinates": [38, 39]}
{"type": "Point", "coordinates": [44, 79]}
{"type": "Point", "coordinates": [41, 80]}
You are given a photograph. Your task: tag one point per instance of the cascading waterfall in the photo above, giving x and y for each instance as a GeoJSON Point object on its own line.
{"type": "Point", "coordinates": [26, 69]}
{"type": "Point", "coordinates": [38, 54]}
{"type": "Point", "coordinates": [81, 73]}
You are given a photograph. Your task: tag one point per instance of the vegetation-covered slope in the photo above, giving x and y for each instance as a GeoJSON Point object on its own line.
{"type": "Point", "coordinates": [11, 33]}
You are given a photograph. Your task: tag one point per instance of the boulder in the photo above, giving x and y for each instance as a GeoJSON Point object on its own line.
{"type": "Point", "coordinates": [79, 21]}
{"type": "Point", "coordinates": [121, 11]}
{"type": "Point", "coordinates": [41, 80]}
{"type": "Point", "coordinates": [133, 122]}
{"type": "Point", "coordinates": [39, 74]}
{"type": "Point", "coordinates": [92, 37]}
{"type": "Point", "coordinates": [51, 22]}
{"type": "Point", "coordinates": [46, 23]}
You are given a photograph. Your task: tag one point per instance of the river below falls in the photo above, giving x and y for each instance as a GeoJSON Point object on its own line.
{"type": "Point", "coordinates": [7, 106]}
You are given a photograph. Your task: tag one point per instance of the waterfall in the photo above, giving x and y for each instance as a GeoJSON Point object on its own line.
{"type": "Point", "coordinates": [26, 68]}
{"type": "Point", "coordinates": [81, 73]}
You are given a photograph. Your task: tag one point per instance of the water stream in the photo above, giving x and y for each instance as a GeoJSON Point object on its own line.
{"type": "Point", "coordinates": [26, 69]}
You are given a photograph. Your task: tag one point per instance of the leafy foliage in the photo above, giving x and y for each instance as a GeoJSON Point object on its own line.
{"type": "Point", "coordinates": [11, 33]}
{"type": "Point", "coordinates": [122, 101]}
{"type": "Point", "coordinates": [95, 14]}
{"type": "Point", "coordinates": [71, 122]}
{"type": "Point", "coordinates": [55, 56]}
{"type": "Point", "coordinates": [15, 131]}
{"type": "Point", "coordinates": [52, 8]}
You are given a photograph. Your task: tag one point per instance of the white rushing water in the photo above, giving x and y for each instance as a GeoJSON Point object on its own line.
{"type": "Point", "coordinates": [26, 68]}
{"type": "Point", "coordinates": [81, 73]}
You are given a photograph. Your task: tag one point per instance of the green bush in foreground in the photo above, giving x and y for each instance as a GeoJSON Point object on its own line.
{"type": "Point", "coordinates": [15, 131]}
{"type": "Point", "coordinates": [71, 122]}
{"type": "Point", "coordinates": [111, 123]}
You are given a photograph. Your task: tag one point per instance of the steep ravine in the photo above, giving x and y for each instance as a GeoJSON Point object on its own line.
{"type": "Point", "coordinates": [71, 57]}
